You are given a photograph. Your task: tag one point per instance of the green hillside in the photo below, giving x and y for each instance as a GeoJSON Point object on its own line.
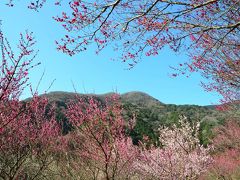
{"type": "Point", "coordinates": [150, 113]}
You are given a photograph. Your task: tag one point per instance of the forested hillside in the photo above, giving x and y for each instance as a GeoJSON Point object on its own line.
{"type": "Point", "coordinates": [149, 113]}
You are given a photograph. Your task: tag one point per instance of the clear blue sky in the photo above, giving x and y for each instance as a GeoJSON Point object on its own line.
{"type": "Point", "coordinates": [91, 73]}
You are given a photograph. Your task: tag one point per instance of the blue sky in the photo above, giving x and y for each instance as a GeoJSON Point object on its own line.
{"type": "Point", "coordinates": [91, 73]}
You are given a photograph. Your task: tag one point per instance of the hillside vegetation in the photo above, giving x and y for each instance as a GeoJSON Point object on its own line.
{"type": "Point", "coordinates": [149, 113]}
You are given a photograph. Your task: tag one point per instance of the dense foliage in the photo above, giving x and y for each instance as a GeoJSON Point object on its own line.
{"type": "Point", "coordinates": [28, 130]}
{"type": "Point", "coordinates": [149, 114]}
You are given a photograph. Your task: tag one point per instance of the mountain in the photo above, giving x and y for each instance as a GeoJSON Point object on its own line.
{"type": "Point", "coordinates": [137, 101]}
{"type": "Point", "coordinates": [150, 113]}
{"type": "Point", "coordinates": [140, 99]}
{"type": "Point", "coordinates": [136, 98]}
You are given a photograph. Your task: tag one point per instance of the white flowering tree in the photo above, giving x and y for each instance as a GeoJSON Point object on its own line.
{"type": "Point", "coordinates": [181, 157]}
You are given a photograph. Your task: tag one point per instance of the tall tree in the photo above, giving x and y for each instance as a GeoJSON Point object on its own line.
{"type": "Point", "coordinates": [181, 157]}
{"type": "Point", "coordinates": [27, 129]}
{"type": "Point", "coordinates": [99, 139]}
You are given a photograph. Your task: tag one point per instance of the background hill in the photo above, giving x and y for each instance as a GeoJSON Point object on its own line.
{"type": "Point", "coordinates": [150, 113]}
